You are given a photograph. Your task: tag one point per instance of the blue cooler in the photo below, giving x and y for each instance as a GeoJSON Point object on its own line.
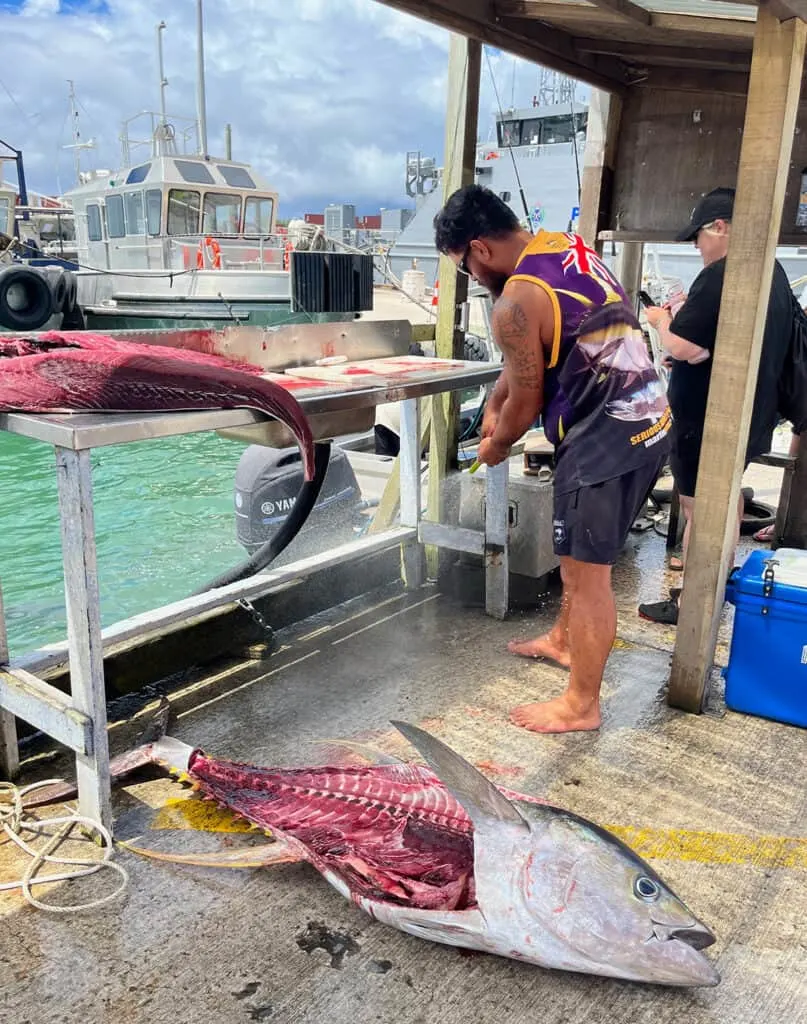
{"type": "Point", "coordinates": [767, 670]}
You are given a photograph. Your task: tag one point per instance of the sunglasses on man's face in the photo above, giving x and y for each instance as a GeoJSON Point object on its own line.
{"type": "Point", "coordinates": [462, 266]}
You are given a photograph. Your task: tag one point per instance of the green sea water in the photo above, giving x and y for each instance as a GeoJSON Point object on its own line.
{"type": "Point", "coordinates": [164, 527]}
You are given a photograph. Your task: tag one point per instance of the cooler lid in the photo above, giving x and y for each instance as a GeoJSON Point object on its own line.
{"type": "Point", "coordinates": [788, 567]}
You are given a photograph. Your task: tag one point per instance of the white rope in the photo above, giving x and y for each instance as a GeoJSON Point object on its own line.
{"type": "Point", "coordinates": [14, 822]}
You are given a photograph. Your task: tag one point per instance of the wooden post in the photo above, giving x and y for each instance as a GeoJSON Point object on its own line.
{"type": "Point", "coordinates": [602, 134]}
{"type": "Point", "coordinates": [629, 270]}
{"type": "Point", "coordinates": [770, 121]}
{"type": "Point", "coordinates": [464, 67]}
{"type": "Point", "coordinates": [9, 751]}
{"type": "Point", "coordinates": [791, 531]}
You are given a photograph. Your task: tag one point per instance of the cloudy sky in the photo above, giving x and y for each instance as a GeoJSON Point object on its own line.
{"type": "Point", "coordinates": [325, 96]}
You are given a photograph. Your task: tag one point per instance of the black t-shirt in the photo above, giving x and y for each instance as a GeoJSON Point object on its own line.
{"type": "Point", "coordinates": [696, 321]}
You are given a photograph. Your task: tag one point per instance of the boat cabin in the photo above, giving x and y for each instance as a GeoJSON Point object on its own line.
{"type": "Point", "coordinates": [157, 214]}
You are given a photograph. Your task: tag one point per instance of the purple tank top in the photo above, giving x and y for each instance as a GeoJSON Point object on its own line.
{"type": "Point", "coordinates": [605, 408]}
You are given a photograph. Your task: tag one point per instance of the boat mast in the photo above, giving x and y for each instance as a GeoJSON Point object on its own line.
{"type": "Point", "coordinates": [163, 79]}
{"type": "Point", "coordinates": [200, 80]}
{"type": "Point", "coordinates": [77, 145]}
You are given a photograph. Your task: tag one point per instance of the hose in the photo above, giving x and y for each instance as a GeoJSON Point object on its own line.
{"type": "Point", "coordinates": [473, 426]}
{"type": "Point", "coordinates": [300, 511]}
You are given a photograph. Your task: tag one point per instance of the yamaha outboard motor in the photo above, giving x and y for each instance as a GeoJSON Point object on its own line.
{"type": "Point", "coordinates": [267, 481]}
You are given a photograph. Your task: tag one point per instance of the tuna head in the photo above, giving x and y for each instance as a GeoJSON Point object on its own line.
{"type": "Point", "coordinates": [557, 890]}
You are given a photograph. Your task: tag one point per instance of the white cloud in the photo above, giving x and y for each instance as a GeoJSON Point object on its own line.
{"type": "Point", "coordinates": [32, 8]}
{"type": "Point", "coordinates": [325, 96]}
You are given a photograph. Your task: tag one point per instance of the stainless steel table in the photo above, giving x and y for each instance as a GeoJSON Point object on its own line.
{"type": "Point", "coordinates": [79, 720]}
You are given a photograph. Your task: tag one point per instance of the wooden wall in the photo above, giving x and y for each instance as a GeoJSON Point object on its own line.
{"type": "Point", "coordinates": [676, 145]}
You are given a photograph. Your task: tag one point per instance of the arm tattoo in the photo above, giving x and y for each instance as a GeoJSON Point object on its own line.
{"type": "Point", "coordinates": [513, 334]}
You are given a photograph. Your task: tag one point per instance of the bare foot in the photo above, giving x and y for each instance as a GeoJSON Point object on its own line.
{"type": "Point", "coordinates": [555, 716]}
{"type": "Point", "coordinates": [542, 648]}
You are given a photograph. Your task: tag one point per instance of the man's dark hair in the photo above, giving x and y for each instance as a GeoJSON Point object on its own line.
{"type": "Point", "coordinates": [472, 212]}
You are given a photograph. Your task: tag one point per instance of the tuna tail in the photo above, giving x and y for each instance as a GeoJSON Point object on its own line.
{"type": "Point", "coordinates": [154, 748]}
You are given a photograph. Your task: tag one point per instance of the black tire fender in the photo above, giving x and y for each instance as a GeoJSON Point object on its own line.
{"type": "Point", "coordinates": [34, 289]}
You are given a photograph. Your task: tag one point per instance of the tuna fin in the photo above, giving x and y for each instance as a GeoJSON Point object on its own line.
{"type": "Point", "coordinates": [263, 856]}
{"type": "Point", "coordinates": [367, 750]}
{"type": "Point", "coordinates": [480, 798]}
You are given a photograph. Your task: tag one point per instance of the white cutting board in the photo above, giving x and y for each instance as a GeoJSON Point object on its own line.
{"type": "Point", "coordinates": [390, 370]}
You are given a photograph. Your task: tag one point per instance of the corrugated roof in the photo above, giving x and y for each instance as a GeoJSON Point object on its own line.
{"type": "Point", "coordinates": [702, 8]}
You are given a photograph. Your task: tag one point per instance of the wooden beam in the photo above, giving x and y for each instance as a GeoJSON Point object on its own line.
{"type": "Point", "coordinates": [694, 25]}
{"type": "Point", "coordinates": [787, 9]}
{"type": "Point", "coordinates": [462, 112]}
{"type": "Point", "coordinates": [547, 46]}
{"type": "Point", "coordinates": [591, 14]}
{"type": "Point", "coordinates": [730, 83]}
{"type": "Point", "coordinates": [647, 54]}
{"type": "Point", "coordinates": [599, 155]}
{"type": "Point", "coordinates": [626, 9]}
{"type": "Point", "coordinates": [629, 270]}
{"type": "Point", "coordinates": [770, 121]}
{"type": "Point", "coordinates": [792, 532]}
{"type": "Point", "coordinates": [9, 751]}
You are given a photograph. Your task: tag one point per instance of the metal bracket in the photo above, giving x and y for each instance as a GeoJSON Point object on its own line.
{"type": "Point", "coordinates": [768, 578]}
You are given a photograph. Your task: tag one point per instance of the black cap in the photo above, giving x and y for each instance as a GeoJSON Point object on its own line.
{"type": "Point", "coordinates": [715, 205]}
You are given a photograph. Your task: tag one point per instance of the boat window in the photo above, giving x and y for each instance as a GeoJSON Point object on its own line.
{"type": "Point", "coordinates": [115, 223]}
{"type": "Point", "coordinates": [509, 133]}
{"type": "Point", "coordinates": [557, 129]}
{"type": "Point", "coordinates": [222, 214]}
{"type": "Point", "coordinates": [138, 174]}
{"type": "Point", "coordinates": [531, 132]}
{"type": "Point", "coordinates": [191, 170]}
{"type": "Point", "coordinates": [183, 212]}
{"type": "Point", "coordinates": [258, 215]}
{"type": "Point", "coordinates": [93, 223]}
{"type": "Point", "coordinates": [135, 223]}
{"type": "Point", "coordinates": [154, 207]}
{"type": "Point", "coordinates": [236, 177]}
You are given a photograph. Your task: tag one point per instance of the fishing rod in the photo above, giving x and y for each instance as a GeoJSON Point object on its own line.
{"type": "Point", "coordinates": [508, 143]}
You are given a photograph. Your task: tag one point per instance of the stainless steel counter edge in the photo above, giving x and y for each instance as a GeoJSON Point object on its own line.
{"type": "Point", "coordinates": [79, 431]}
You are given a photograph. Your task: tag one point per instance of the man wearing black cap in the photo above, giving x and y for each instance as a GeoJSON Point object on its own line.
{"type": "Point", "coordinates": [689, 338]}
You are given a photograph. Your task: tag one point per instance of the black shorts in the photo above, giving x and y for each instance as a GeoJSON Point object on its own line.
{"type": "Point", "coordinates": [592, 523]}
{"type": "Point", "coordinates": [685, 455]}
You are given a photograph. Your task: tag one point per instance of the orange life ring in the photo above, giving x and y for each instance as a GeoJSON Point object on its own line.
{"type": "Point", "coordinates": [212, 247]}
{"type": "Point", "coordinates": [287, 251]}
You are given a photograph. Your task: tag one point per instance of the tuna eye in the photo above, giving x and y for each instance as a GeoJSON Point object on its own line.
{"type": "Point", "coordinates": [646, 889]}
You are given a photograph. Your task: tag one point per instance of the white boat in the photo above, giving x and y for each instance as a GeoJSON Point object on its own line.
{"type": "Point", "coordinates": [179, 237]}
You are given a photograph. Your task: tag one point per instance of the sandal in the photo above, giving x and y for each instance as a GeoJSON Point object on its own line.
{"type": "Point", "coordinates": [676, 563]}
{"type": "Point", "coordinates": [765, 535]}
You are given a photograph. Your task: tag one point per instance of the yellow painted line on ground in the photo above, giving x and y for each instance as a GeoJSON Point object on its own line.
{"type": "Point", "coordinates": [714, 847]}
{"type": "Point", "coordinates": [198, 815]}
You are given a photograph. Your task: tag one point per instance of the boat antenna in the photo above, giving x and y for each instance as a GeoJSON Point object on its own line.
{"type": "Point", "coordinates": [508, 144]}
{"type": "Point", "coordinates": [200, 79]}
{"type": "Point", "coordinates": [77, 145]}
{"type": "Point", "coordinates": [163, 79]}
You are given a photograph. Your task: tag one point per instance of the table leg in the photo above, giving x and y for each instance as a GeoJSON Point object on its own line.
{"type": "Point", "coordinates": [84, 628]}
{"type": "Point", "coordinates": [410, 489]}
{"type": "Point", "coordinates": [497, 567]}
